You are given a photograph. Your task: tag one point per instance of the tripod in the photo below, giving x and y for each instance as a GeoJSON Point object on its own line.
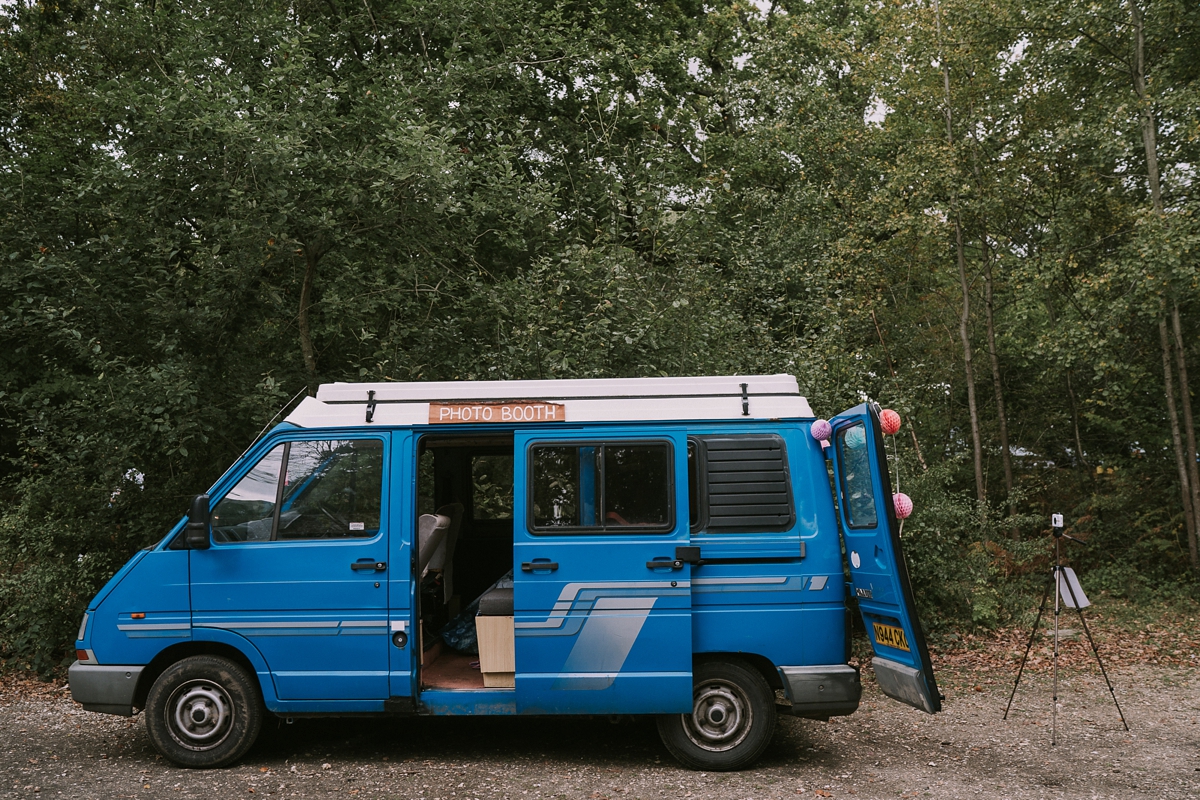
{"type": "Point", "coordinates": [1060, 579]}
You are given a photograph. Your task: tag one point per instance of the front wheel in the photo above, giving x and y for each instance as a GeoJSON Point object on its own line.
{"type": "Point", "coordinates": [732, 719]}
{"type": "Point", "coordinates": [204, 711]}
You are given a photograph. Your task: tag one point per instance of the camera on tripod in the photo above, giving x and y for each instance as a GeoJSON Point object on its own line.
{"type": "Point", "coordinates": [1065, 585]}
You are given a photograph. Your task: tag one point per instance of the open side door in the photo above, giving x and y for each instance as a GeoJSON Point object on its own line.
{"type": "Point", "coordinates": [602, 596]}
{"type": "Point", "coordinates": [878, 574]}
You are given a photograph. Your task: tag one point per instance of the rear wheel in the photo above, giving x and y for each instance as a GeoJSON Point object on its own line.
{"type": "Point", "coordinates": [204, 711]}
{"type": "Point", "coordinates": [732, 719]}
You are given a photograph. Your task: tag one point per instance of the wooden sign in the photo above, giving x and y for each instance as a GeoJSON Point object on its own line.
{"type": "Point", "coordinates": [529, 411]}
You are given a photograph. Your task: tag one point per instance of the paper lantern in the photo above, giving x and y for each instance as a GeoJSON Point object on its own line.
{"type": "Point", "coordinates": [890, 421]}
{"type": "Point", "coordinates": [821, 430]}
{"type": "Point", "coordinates": [855, 438]}
{"type": "Point", "coordinates": [903, 504]}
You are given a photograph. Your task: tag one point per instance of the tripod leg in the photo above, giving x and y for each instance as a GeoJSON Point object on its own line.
{"type": "Point", "coordinates": [1057, 592]}
{"type": "Point", "coordinates": [1028, 647]}
{"type": "Point", "coordinates": [1096, 653]}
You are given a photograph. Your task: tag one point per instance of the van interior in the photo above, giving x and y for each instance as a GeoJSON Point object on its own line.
{"type": "Point", "coordinates": [465, 555]}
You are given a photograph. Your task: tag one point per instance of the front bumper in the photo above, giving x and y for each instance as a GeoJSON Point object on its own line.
{"type": "Point", "coordinates": [103, 688]}
{"type": "Point", "coordinates": [823, 691]}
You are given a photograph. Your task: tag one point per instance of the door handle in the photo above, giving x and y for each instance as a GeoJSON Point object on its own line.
{"type": "Point", "coordinates": [684, 554]}
{"type": "Point", "coordinates": [530, 566]}
{"type": "Point", "coordinates": [373, 566]}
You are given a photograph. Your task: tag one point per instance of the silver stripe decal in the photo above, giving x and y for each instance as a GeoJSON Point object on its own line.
{"type": "Point", "coordinates": [569, 675]}
{"type": "Point", "coordinates": [364, 623]}
{"type": "Point", "coordinates": [369, 673]}
{"type": "Point", "coordinates": [155, 626]}
{"type": "Point", "coordinates": [737, 581]}
{"type": "Point", "coordinates": [604, 643]}
{"type": "Point", "coordinates": [567, 597]}
{"type": "Point", "coordinates": [242, 625]}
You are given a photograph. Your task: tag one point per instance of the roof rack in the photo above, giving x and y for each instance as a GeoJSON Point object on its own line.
{"type": "Point", "coordinates": [587, 400]}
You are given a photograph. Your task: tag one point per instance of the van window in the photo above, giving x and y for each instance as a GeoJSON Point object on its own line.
{"type": "Point", "coordinates": [247, 512]}
{"type": "Point", "coordinates": [317, 489]}
{"type": "Point", "coordinates": [332, 489]}
{"type": "Point", "coordinates": [858, 493]}
{"type": "Point", "coordinates": [611, 488]}
{"type": "Point", "coordinates": [695, 493]}
{"type": "Point", "coordinates": [740, 483]}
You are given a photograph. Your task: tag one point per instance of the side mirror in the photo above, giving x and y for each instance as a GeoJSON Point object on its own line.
{"type": "Point", "coordinates": [197, 532]}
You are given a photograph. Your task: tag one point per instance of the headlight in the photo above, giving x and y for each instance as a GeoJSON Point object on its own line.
{"type": "Point", "coordinates": [82, 627]}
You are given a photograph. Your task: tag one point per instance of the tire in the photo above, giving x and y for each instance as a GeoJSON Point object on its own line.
{"type": "Point", "coordinates": [204, 711]}
{"type": "Point", "coordinates": [732, 719]}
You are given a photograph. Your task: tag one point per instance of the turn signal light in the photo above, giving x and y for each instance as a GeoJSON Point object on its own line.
{"type": "Point", "coordinates": [81, 655]}
{"type": "Point", "coordinates": [138, 615]}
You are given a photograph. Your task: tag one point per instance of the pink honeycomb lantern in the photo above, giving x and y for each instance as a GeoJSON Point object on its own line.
{"type": "Point", "coordinates": [821, 430]}
{"type": "Point", "coordinates": [890, 421]}
{"type": "Point", "coordinates": [903, 504]}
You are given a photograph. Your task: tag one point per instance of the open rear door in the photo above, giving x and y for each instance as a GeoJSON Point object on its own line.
{"type": "Point", "coordinates": [879, 577]}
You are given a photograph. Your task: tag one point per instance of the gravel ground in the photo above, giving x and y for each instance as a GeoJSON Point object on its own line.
{"type": "Point", "coordinates": [52, 747]}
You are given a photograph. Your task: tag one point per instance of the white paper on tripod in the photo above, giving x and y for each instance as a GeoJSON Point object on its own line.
{"type": "Point", "coordinates": [1069, 585]}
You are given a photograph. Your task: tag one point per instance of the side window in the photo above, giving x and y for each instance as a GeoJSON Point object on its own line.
{"type": "Point", "coordinates": [247, 512]}
{"type": "Point", "coordinates": [858, 493]}
{"type": "Point", "coordinates": [740, 484]}
{"type": "Point", "coordinates": [695, 495]}
{"type": "Point", "coordinates": [320, 489]}
{"type": "Point", "coordinates": [333, 489]}
{"type": "Point", "coordinates": [554, 476]}
{"type": "Point", "coordinates": [595, 488]}
{"type": "Point", "coordinates": [637, 485]}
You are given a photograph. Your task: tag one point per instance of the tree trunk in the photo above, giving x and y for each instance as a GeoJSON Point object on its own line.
{"type": "Point", "coordinates": [912, 429]}
{"type": "Point", "coordinates": [968, 367]}
{"type": "Point", "coordinates": [965, 318]}
{"type": "Point", "coordinates": [1050, 312]}
{"type": "Point", "coordinates": [1189, 430]}
{"type": "Point", "coordinates": [1184, 484]}
{"type": "Point", "coordinates": [1005, 453]}
{"type": "Point", "coordinates": [306, 345]}
{"type": "Point", "coordinates": [1149, 126]}
{"type": "Point", "coordinates": [1187, 471]}
{"type": "Point", "coordinates": [1075, 422]}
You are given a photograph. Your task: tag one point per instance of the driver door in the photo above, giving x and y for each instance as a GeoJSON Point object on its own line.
{"type": "Point", "coordinates": [298, 566]}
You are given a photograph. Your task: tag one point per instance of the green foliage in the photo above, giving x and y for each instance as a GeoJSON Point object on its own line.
{"type": "Point", "coordinates": [207, 208]}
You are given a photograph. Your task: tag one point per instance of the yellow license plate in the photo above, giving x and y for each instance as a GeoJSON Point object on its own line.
{"type": "Point", "coordinates": [890, 636]}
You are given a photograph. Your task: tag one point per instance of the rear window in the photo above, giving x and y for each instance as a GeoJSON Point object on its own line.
{"type": "Point", "coordinates": [858, 492]}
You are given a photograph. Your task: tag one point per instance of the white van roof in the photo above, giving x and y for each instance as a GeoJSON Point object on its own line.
{"type": "Point", "coordinates": [590, 400]}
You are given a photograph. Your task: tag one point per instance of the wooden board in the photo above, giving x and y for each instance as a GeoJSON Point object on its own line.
{"type": "Point", "coordinates": [528, 411]}
{"type": "Point", "coordinates": [497, 656]}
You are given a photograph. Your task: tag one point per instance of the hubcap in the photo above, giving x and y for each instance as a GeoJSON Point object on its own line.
{"type": "Point", "coordinates": [720, 718]}
{"type": "Point", "coordinates": [199, 715]}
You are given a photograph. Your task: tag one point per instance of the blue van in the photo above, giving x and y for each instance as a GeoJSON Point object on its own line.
{"type": "Point", "coordinates": [681, 547]}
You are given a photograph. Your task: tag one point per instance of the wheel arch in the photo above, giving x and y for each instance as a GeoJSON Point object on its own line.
{"type": "Point", "coordinates": [177, 652]}
{"type": "Point", "coordinates": [759, 663]}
